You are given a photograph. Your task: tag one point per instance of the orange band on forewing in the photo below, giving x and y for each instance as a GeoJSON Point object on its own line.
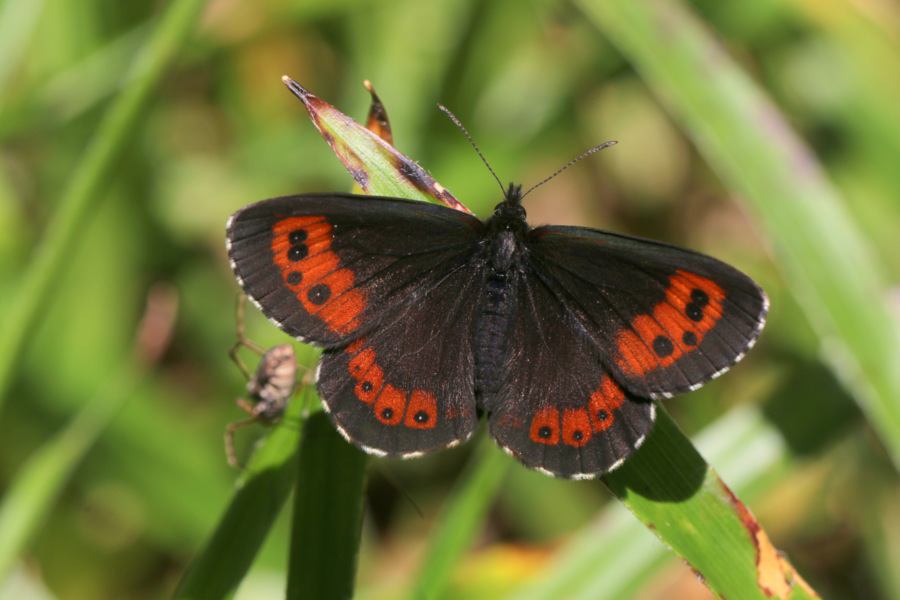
{"type": "Point", "coordinates": [301, 248]}
{"type": "Point", "coordinates": [692, 307]}
{"type": "Point", "coordinates": [316, 266]}
{"type": "Point", "coordinates": [342, 313]}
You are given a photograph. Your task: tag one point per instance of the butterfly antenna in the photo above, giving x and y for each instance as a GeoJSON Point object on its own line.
{"type": "Point", "coordinates": [572, 162]}
{"type": "Point", "coordinates": [474, 145]}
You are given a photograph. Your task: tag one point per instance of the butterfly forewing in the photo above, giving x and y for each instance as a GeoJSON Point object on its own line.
{"type": "Point", "coordinates": [326, 268]}
{"type": "Point", "coordinates": [665, 318]}
{"type": "Point", "coordinates": [390, 287]}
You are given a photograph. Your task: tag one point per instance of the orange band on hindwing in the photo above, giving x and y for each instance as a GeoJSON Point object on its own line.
{"type": "Point", "coordinates": [676, 326]}
{"type": "Point", "coordinates": [603, 402]}
{"type": "Point", "coordinates": [576, 426]}
{"type": "Point", "coordinates": [545, 426]}
{"type": "Point", "coordinates": [301, 247]}
{"type": "Point", "coordinates": [390, 404]}
{"type": "Point", "coordinates": [422, 410]}
{"type": "Point", "coordinates": [368, 375]}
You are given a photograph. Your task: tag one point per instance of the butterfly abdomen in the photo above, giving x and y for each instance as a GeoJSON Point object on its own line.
{"type": "Point", "coordinates": [492, 332]}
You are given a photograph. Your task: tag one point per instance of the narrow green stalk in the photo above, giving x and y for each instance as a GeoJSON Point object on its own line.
{"type": "Point", "coordinates": [18, 19]}
{"type": "Point", "coordinates": [80, 88]}
{"type": "Point", "coordinates": [462, 519]}
{"type": "Point", "coordinates": [328, 507]}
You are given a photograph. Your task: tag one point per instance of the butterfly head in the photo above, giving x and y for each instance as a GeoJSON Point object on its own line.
{"type": "Point", "coordinates": [510, 214]}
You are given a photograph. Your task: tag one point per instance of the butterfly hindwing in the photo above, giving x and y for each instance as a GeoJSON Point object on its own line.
{"type": "Point", "coordinates": [665, 318]}
{"type": "Point", "coordinates": [557, 409]}
{"type": "Point", "coordinates": [325, 268]}
{"type": "Point", "coordinates": [407, 387]}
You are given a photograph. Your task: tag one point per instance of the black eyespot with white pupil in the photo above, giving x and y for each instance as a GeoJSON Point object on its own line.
{"type": "Point", "coordinates": [545, 432]}
{"type": "Point", "coordinates": [421, 417]}
{"type": "Point", "coordinates": [298, 250]}
{"type": "Point", "coordinates": [298, 253]}
{"type": "Point", "coordinates": [319, 294]}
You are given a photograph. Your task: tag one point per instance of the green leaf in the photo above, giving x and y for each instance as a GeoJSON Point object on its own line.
{"type": "Point", "coordinates": [376, 166]}
{"type": "Point", "coordinates": [261, 492]}
{"type": "Point", "coordinates": [672, 490]}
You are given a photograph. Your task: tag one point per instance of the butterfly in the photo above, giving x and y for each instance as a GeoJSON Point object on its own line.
{"type": "Point", "coordinates": [430, 317]}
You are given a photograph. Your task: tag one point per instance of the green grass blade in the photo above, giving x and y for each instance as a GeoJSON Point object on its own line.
{"type": "Point", "coordinates": [743, 136]}
{"type": "Point", "coordinates": [613, 558]}
{"type": "Point", "coordinates": [34, 491]}
{"type": "Point", "coordinates": [683, 502]}
{"type": "Point", "coordinates": [462, 519]}
{"type": "Point", "coordinates": [17, 22]}
{"type": "Point", "coordinates": [327, 514]}
{"type": "Point", "coordinates": [85, 188]}
{"type": "Point", "coordinates": [30, 497]}
{"type": "Point", "coordinates": [672, 490]}
{"type": "Point", "coordinates": [75, 91]}
{"type": "Point", "coordinates": [261, 492]}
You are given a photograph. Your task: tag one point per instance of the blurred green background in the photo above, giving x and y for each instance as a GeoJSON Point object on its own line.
{"type": "Point", "coordinates": [536, 83]}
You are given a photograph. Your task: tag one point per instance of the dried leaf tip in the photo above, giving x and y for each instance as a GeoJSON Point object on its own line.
{"type": "Point", "coordinates": [298, 90]}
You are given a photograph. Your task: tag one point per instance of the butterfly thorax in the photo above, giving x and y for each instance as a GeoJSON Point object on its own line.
{"type": "Point", "coordinates": [506, 228]}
